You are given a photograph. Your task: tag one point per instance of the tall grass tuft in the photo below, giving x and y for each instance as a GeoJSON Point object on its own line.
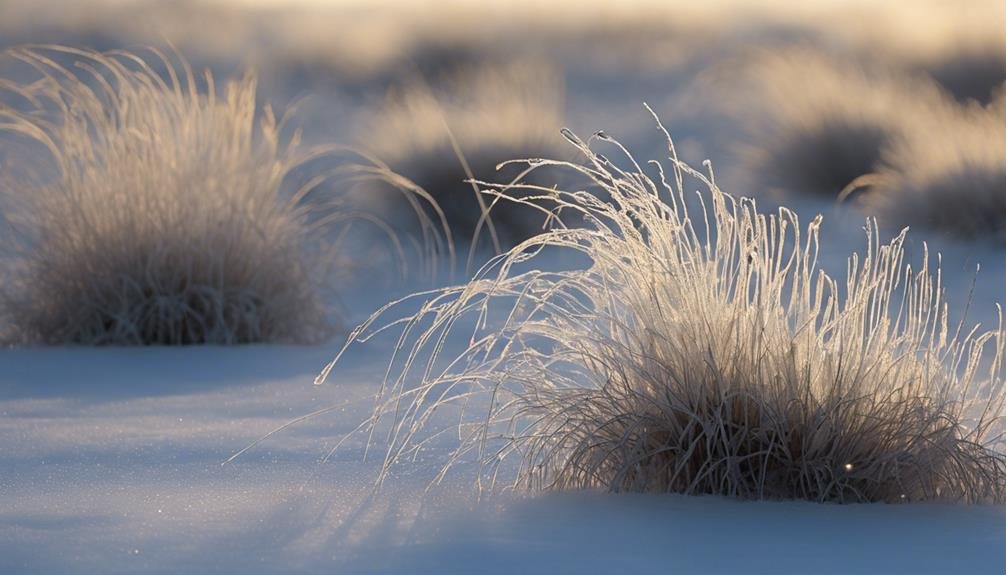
{"type": "Point", "coordinates": [701, 350]}
{"type": "Point", "coordinates": [816, 122]}
{"type": "Point", "coordinates": [947, 175]}
{"type": "Point", "coordinates": [145, 206]}
{"type": "Point", "coordinates": [441, 132]}
{"type": "Point", "coordinates": [975, 74]}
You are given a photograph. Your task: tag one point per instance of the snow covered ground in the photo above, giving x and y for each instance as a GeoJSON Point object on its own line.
{"type": "Point", "coordinates": [110, 462]}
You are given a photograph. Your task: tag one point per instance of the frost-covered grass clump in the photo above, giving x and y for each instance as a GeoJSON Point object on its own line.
{"type": "Point", "coordinates": [701, 350]}
{"type": "Point", "coordinates": [816, 122]}
{"type": "Point", "coordinates": [901, 147]}
{"type": "Point", "coordinates": [442, 132]}
{"type": "Point", "coordinates": [972, 74]}
{"type": "Point", "coordinates": [948, 175]}
{"type": "Point", "coordinates": [145, 206]}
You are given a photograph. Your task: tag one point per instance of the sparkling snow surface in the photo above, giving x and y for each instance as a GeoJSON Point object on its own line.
{"type": "Point", "coordinates": [110, 462]}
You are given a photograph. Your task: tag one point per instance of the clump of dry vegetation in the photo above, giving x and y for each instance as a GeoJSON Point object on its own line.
{"type": "Point", "coordinates": [971, 74]}
{"type": "Point", "coordinates": [948, 175]}
{"type": "Point", "coordinates": [701, 350]}
{"type": "Point", "coordinates": [901, 147]}
{"type": "Point", "coordinates": [814, 122]}
{"type": "Point", "coordinates": [145, 206]}
{"type": "Point", "coordinates": [440, 133]}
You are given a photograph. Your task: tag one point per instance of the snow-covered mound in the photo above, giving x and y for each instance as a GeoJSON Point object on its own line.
{"type": "Point", "coordinates": [110, 462]}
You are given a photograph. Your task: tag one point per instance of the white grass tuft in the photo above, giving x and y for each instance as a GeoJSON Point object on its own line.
{"type": "Point", "coordinates": [441, 132]}
{"type": "Point", "coordinates": [701, 351]}
{"type": "Point", "coordinates": [972, 74]}
{"type": "Point", "coordinates": [815, 122]}
{"type": "Point", "coordinates": [947, 175]}
{"type": "Point", "coordinates": [162, 213]}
